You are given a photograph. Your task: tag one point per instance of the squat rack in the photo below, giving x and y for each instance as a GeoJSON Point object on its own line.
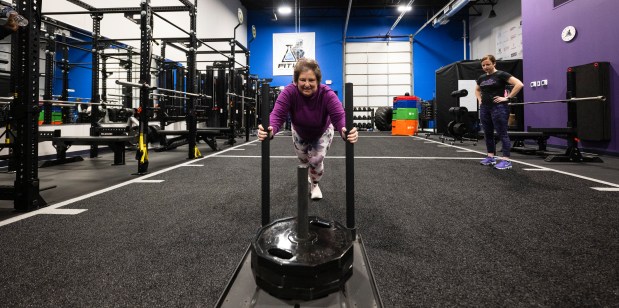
{"type": "Point", "coordinates": [25, 111]}
{"type": "Point", "coordinates": [146, 12]}
{"type": "Point", "coordinates": [25, 85]}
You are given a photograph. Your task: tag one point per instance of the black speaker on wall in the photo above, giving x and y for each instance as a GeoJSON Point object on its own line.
{"type": "Point", "coordinates": [592, 119]}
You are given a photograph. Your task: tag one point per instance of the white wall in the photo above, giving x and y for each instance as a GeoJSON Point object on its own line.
{"type": "Point", "coordinates": [216, 19]}
{"type": "Point", "coordinates": [484, 30]}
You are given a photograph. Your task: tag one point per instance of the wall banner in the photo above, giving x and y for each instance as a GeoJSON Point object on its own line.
{"type": "Point", "coordinates": [509, 41]}
{"type": "Point", "coordinates": [288, 47]}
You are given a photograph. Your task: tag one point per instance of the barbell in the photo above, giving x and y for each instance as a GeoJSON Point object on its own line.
{"type": "Point", "coordinates": [569, 100]}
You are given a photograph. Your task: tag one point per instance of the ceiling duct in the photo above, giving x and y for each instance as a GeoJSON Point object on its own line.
{"type": "Point", "coordinates": [450, 10]}
{"type": "Point", "coordinates": [456, 7]}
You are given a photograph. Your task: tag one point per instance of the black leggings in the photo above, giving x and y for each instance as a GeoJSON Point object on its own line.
{"type": "Point", "coordinates": [494, 117]}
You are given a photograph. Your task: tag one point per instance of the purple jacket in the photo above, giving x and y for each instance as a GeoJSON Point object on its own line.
{"type": "Point", "coordinates": [310, 116]}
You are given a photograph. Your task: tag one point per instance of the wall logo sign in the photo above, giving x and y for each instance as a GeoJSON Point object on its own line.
{"type": "Point", "coordinates": [288, 48]}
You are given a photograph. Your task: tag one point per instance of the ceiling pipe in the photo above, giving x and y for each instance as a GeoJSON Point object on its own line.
{"type": "Point", "coordinates": [410, 3]}
{"type": "Point", "coordinates": [457, 7]}
{"type": "Point", "coordinates": [439, 17]}
{"type": "Point", "coordinates": [464, 37]}
{"type": "Point", "coordinates": [347, 19]}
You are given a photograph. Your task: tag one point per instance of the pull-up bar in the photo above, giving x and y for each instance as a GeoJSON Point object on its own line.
{"type": "Point", "coordinates": [73, 103]}
{"type": "Point", "coordinates": [122, 10]}
{"type": "Point", "coordinates": [145, 85]}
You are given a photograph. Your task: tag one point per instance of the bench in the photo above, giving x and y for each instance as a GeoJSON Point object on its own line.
{"type": "Point", "coordinates": [63, 143]}
{"type": "Point", "coordinates": [518, 138]}
{"type": "Point", "coordinates": [206, 134]}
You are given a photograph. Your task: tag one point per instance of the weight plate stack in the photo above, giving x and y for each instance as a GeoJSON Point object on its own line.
{"type": "Point", "coordinates": [288, 267]}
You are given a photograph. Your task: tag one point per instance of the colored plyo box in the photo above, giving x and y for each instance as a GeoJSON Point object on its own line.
{"type": "Point", "coordinates": [405, 98]}
{"type": "Point", "coordinates": [404, 127]}
{"type": "Point", "coordinates": [405, 114]}
{"type": "Point", "coordinates": [405, 104]}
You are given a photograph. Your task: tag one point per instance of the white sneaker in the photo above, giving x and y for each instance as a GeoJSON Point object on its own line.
{"type": "Point", "coordinates": [316, 194]}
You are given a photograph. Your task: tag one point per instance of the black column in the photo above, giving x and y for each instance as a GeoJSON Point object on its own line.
{"type": "Point", "coordinates": [128, 91]}
{"type": "Point", "coordinates": [350, 161]}
{"type": "Point", "coordinates": [65, 70]}
{"type": "Point", "coordinates": [25, 107]}
{"type": "Point", "coordinates": [266, 155]}
{"type": "Point", "coordinates": [48, 118]}
{"type": "Point", "coordinates": [94, 96]}
{"type": "Point", "coordinates": [146, 30]}
{"type": "Point", "coordinates": [161, 82]}
{"type": "Point", "coordinates": [191, 87]}
{"type": "Point", "coordinates": [50, 52]}
{"type": "Point", "coordinates": [103, 79]}
{"type": "Point", "coordinates": [232, 100]}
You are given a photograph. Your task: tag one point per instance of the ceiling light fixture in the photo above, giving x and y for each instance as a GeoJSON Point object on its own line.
{"type": "Point", "coordinates": [284, 9]}
{"type": "Point", "coordinates": [492, 13]}
{"type": "Point", "coordinates": [405, 8]}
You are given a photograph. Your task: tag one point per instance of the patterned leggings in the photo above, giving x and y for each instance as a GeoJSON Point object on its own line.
{"type": "Point", "coordinates": [313, 152]}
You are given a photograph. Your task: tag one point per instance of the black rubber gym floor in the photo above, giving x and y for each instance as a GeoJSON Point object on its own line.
{"type": "Point", "coordinates": [439, 229]}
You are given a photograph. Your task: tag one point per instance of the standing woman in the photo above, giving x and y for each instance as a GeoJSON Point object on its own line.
{"type": "Point", "coordinates": [315, 113]}
{"type": "Point", "coordinates": [494, 109]}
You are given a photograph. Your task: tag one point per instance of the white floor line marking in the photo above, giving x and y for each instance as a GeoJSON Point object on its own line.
{"type": "Point", "coordinates": [536, 169]}
{"type": "Point", "coordinates": [463, 151]}
{"type": "Point", "coordinates": [238, 150]}
{"type": "Point", "coordinates": [98, 192]}
{"type": "Point", "coordinates": [386, 136]}
{"type": "Point", "coordinates": [149, 181]}
{"type": "Point", "coordinates": [605, 188]}
{"type": "Point", "coordinates": [194, 165]}
{"type": "Point", "coordinates": [541, 167]}
{"type": "Point", "coordinates": [356, 157]}
{"type": "Point", "coordinates": [63, 211]}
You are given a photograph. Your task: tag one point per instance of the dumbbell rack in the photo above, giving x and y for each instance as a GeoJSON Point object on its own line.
{"type": "Point", "coordinates": [427, 114]}
{"type": "Point", "coordinates": [459, 128]}
{"type": "Point", "coordinates": [361, 122]}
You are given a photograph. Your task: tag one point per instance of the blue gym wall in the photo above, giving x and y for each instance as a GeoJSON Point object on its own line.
{"type": "Point", "coordinates": [432, 48]}
{"type": "Point", "coordinates": [328, 35]}
{"type": "Point", "coordinates": [80, 76]}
